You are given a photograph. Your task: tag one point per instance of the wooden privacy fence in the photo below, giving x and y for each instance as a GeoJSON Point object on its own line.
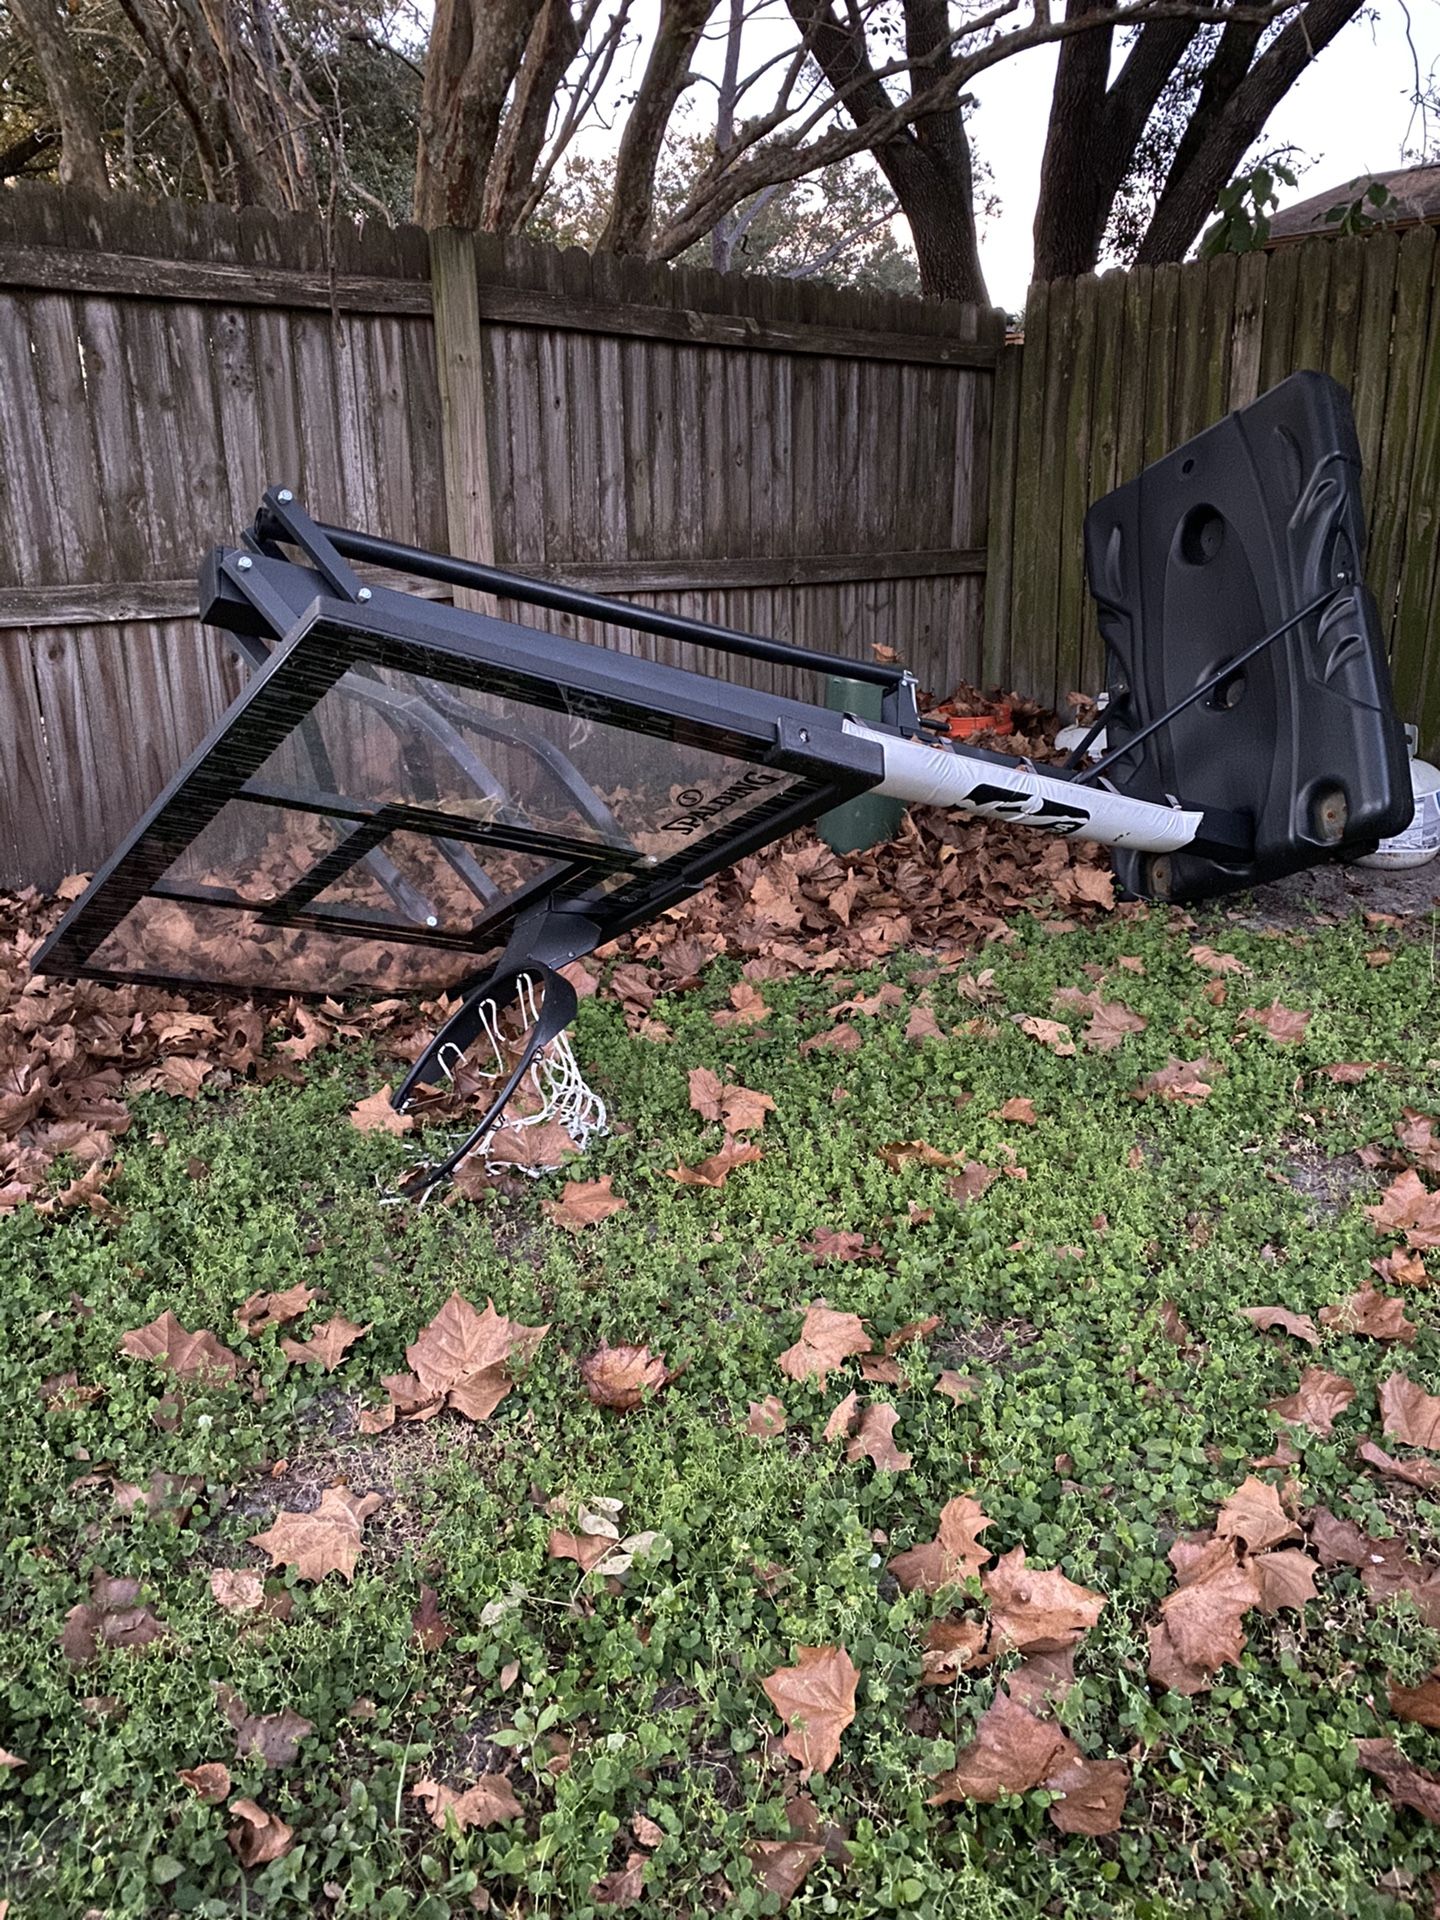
{"type": "Point", "coordinates": [1115, 371]}
{"type": "Point", "coordinates": [793, 459]}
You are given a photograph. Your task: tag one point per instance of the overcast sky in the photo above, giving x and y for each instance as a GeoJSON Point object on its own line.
{"type": "Point", "coordinates": [1348, 113]}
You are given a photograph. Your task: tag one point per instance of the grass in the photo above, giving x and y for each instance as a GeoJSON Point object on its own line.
{"type": "Point", "coordinates": [1246, 1799]}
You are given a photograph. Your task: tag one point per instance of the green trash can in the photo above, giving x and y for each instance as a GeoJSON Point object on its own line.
{"type": "Point", "coordinates": [870, 818]}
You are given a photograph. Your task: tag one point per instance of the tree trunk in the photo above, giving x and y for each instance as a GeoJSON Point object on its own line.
{"type": "Point", "coordinates": [476, 47]}
{"type": "Point", "coordinates": [82, 154]}
{"type": "Point", "coordinates": [667, 74]}
{"type": "Point", "coordinates": [1217, 147]}
{"type": "Point", "coordinates": [554, 41]}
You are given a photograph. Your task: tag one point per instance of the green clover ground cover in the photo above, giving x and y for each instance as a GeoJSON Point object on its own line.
{"type": "Point", "coordinates": [1245, 1799]}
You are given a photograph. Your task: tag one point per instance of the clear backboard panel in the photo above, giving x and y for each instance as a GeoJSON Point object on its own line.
{"type": "Point", "coordinates": [401, 782]}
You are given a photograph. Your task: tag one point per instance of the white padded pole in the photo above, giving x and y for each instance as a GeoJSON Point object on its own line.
{"type": "Point", "coordinates": [940, 776]}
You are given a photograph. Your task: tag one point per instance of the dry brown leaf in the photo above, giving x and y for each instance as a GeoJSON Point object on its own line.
{"type": "Point", "coordinates": [326, 1345]}
{"type": "Point", "coordinates": [1253, 1515]}
{"type": "Point", "coordinates": [1424, 1474]}
{"type": "Point", "coordinates": [620, 1377]}
{"type": "Point", "coordinates": [190, 1356]}
{"type": "Point", "coordinates": [1300, 1324]}
{"type": "Point", "coordinates": [1050, 1033]}
{"type": "Point", "coordinates": [873, 1439]}
{"type": "Point", "coordinates": [325, 1541]}
{"type": "Point", "coordinates": [209, 1782]}
{"type": "Point", "coordinates": [1110, 1024]}
{"type": "Point", "coordinates": [781, 1865]}
{"type": "Point", "coordinates": [1405, 1783]}
{"type": "Point", "coordinates": [956, 1386]}
{"type": "Point", "coordinates": [922, 1025]}
{"type": "Point", "coordinates": [1421, 1704]}
{"type": "Point", "coordinates": [1037, 1610]}
{"type": "Point", "coordinates": [828, 1245]}
{"type": "Point", "coordinates": [587, 1550]}
{"type": "Point", "coordinates": [1286, 1578]}
{"type": "Point", "coordinates": [1317, 1402]}
{"type": "Point", "coordinates": [951, 1646]}
{"type": "Point", "coordinates": [274, 1309]}
{"type": "Point", "coordinates": [428, 1627]}
{"type": "Point", "coordinates": [1012, 1752]}
{"type": "Point", "coordinates": [647, 1831]}
{"type": "Point", "coordinates": [1216, 962]}
{"type": "Point", "coordinates": [841, 1039]}
{"type": "Point", "coordinates": [827, 1339]}
{"type": "Point", "coordinates": [1092, 1795]}
{"type": "Point", "coordinates": [767, 1418]}
{"type": "Point", "coordinates": [717, 1169]}
{"type": "Point", "coordinates": [238, 1589]}
{"type": "Point", "coordinates": [258, 1837]}
{"type": "Point", "coordinates": [1203, 1617]}
{"type": "Point", "coordinates": [624, 1886]}
{"type": "Point", "coordinates": [583, 1203]}
{"type": "Point", "coordinates": [1411, 1415]}
{"type": "Point", "coordinates": [1408, 1206]}
{"type": "Point", "coordinates": [969, 1184]}
{"type": "Point", "coordinates": [898, 1152]}
{"type": "Point", "coordinates": [842, 1419]}
{"type": "Point", "coordinates": [1402, 1269]}
{"type": "Point", "coordinates": [1279, 1023]}
{"type": "Point", "coordinates": [1340, 1543]}
{"type": "Point", "coordinates": [464, 1360]}
{"type": "Point", "coordinates": [1376, 1315]}
{"type": "Point", "coordinates": [954, 1554]}
{"type": "Point", "coordinates": [112, 1617]}
{"type": "Point", "coordinates": [486, 1804]}
{"type": "Point", "coordinates": [912, 1330]}
{"type": "Point", "coordinates": [272, 1738]}
{"type": "Point", "coordinates": [1020, 1109]}
{"type": "Point", "coordinates": [1186, 1082]}
{"type": "Point", "coordinates": [376, 1114]}
{"type": "Point", "coordinates": [816, 1700]}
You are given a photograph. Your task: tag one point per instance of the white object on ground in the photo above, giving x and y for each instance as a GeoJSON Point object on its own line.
{"type": "Point", "coordinates": [936, 776]}
{"type": "Point", "coordinates": [1420, 841]}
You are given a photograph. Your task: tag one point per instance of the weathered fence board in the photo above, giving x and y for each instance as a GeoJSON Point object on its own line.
{"type": "Point", "coordinates": [1114, 371]}
{"type": "Point", "coordinates": [791, 459]}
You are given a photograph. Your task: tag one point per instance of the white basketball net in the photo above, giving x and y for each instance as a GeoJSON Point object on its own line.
{"type": "Point", "coordinates": [554, 1093]}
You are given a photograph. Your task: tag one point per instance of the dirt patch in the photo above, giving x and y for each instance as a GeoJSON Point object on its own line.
{"type": "Point", "coordinates": [1331, 893]}
{"type": "Point", "coordinates": [1327, 1183]}
{"type": "Point", "coordinates": [996, 1344]}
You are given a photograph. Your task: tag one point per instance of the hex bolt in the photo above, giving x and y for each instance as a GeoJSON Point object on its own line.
{"type": "Point", "coordinates": [431, 921]}
{"type": "Point", "coordinates": [284, 496]}
{"type": "Point", "coordinates": [244, 563]}
{"type": "Point", "coordinates": [363, 594]}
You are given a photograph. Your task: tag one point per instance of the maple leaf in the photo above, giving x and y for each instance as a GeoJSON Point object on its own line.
{"type": "Point", "coordinates": [816, 1699]}
{"type": "Point", "coordinates": [272, 1738]}
{"type": "Point", "coordinates": [1349, 1073]}
{"type": "Point", "coordinates": [1421, 1704]}
{"type": "Point", "coordinates": [1411, 1415]}
{"type": "Point", "coordinates": [238, 1589]}
{"type": "Point", "coordinates": [1300, 1324]}
{"type": "Point", "coordinates": [1020, 1109]}
{"type": "Point", "coordinates": [1215, 962]}
{"type": "Point", "coordinates": [1279, 1023]}
{"type": "Point", "coordinates": [1317, 1402]}
{"type": "Point", "coordinates": [951, 1646]}
{"type": "Point", "coordinates": [1202, 1619]}
{"type": "Point", "coordinates": [1424, 1474]}
{"type": "Point", "coordinates": [376, 1114]}
{"type": "Point", "coordinates": [1286, 1578]}
{"type": "Point", "coordinates": [956, 1386]}
{"type": "Point", "coordinates": [705, 1091]}
{"type": "Point", "coordinates": [1050, 1033]}
{"type": "Point", "coordinates": [209, 1782]}
{"type": "Point", "coordinates": [745, 1009]}
{"type": "Point", "coordinates": [781, 1865]}
{"type": "Point", "coordinates": [464, 1360]}
{"type": "Point", "coordinates": [1405, 1783]}
{"type": "Point", "coordinates": [767, 1418]}
{"type": "Point", "coordinates": [1037, 1610]}
{"type": "Point", "coordinates": [326, 1345]}
{"type": "Point", "coordinates": [1253, 1514]}
{"type": "Point", "coordinates": [1111, 1023]}
{"type": "Point", "coordinates": [717, 1169]}
{"type": "Point", "coordinates": [620, 1377]}
{"type": "Point", "coordinates": [826, 1339]}
{"type": "Point", "coordinates": [1186, 1082]}
{"type": "Point", "coordinates": [922, 1025]}
{"type": "Point", "coordinates": [325, 1541]}
{"type": "Point", "coordinates": [898, 1152]}
{"type": "Point", "coordinates": [841, 1039]}
{"type": "Point", "coordinates": [873, 1439]}
{"type": "Point", "coordinates": [190, 1356]}
{"type": "Point", "coordinates": [1092, 1795]}
{"type": "Point", "coordinates": [912, 1330]}
{"type": "Point", "coordinates": [112, 1617]}
{"type": "Point", "coordinates": [1013, 1751]}
{"type": "Point", "coordinates": [828, 1244]}
{"type": "Point", "coordinates": [258, 1837]}
{"type": "Point", "coordinates": [624, 1886]}
{"type": "Point", "coordinates": [587, 1550]}
{"type": "Point", "coordinates": [1402, 1269]}
{"type": "Point", "coordinates": [486, 1804]}
{"type": "Point", "coordinates": [1376, 1315]}
{"type": "Point", "coordinates": [1340, 1543]}
{"type": "Point", "coordinates": [428, 1629]}
{"type": "Point", "coordinates": [842, 1418]}
{"type": "Point", "coordinates": [583, 1203]}
{"type": "Point", "coordinates": [274, 1309]}
{"type": "Point", "coordinates": [969, 1184]}
{"type": "Point", "coordinates": [1407, 1205]}
{"type": "Point", "coordinates": [744, 1110]}
{"type": "Point", "coordinates": [954, 1554]}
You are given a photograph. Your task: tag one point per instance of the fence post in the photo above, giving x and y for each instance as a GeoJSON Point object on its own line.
{"type": "Point", "coordinates": [464, 424]}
